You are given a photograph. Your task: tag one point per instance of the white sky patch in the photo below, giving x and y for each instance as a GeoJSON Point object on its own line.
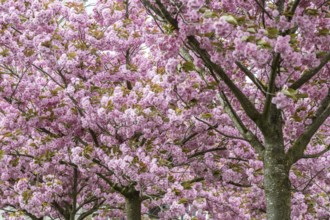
{"type": "Point", "coordinates": [90, 4]}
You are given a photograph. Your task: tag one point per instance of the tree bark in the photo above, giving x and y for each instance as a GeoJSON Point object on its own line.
{"type": "Point", "coordinates": [133, 206]}
{"type": "Point", "coordinates": [277, 183]}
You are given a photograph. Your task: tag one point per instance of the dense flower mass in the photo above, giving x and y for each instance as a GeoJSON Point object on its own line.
{"type": "Point", "coordinates": [200, 109]}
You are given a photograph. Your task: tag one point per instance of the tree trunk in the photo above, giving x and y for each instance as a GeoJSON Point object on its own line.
{"type": "Point", "coordinates": [133, 206]}
{"type": "Point", "coordinates": [277, 184]}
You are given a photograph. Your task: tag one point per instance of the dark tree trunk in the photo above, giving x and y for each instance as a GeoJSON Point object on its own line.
{"type": "Point", "coordinates": [133, 206]}
{"type": "Point", "coordinates": [277, 187]}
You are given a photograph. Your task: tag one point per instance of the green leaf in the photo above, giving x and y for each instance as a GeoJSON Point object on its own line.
{"type": "Point", "coordinates": [168, 28]}
{"type": "Point", "coordinates": [28, 52]}
{"type": "Point", "coordinates": [1, 154]}
{"type": "Point", "coordinates": [292, 93]}
{"type": "Point", "coordinates": [210, 14]}
{"type": "Point", "coordinates": [296, 118]}
{"type": "Point", "coordinates": [87, 151]}
{"type": "Point", "coordinates": [263, 44]}
{"type": "Point", "coordinates": [183, 201]}
{"type": "Point", "coordinates": [230, 19]}
{"type": "Point", "coordinates": [241, 20]}
{"type": "Point", "coordinates": [209, 35]}
{"type": "Point", "coordinates": [171, 179]}
{"type": "Point", "coordinates": [14, 162]}
{"type": "Point", "coordinates": [71, 55]}
{"type": "Point", "coordinates": [289, 92]}
{"type": "Point", "coordinates": [156, 88]}
{"type": "Point", "coordinates": [302, 95]}
{"type": "Point", "coordinates": [188, 66]}
{"type": "Point", "coordinates": [251, 30]}
{"type": "Point", "coordinates": [178, 111]}
{"type": "Point", "coordinates": [187, 185]}
{"type": "Point", "coordinates": [249, 38]}
{"type": "Point", "coordinates": [5, 52]}
{"type": "Point", "coordinates": [176, 191]}
{"type": "Point", "coordinates": [320, 54]}
{"type": "Point", "coordinates": [177, 141]}
{"type": "Point", "coordinates": [26, 196]}
{"type": "Point", "coordinates": [324, 32]}
{"type": "Point", "coordinates": [272, 32]}
{"type": "Point", "coordinates": [206, 115]}
{"type": "Point", "coordinates": [193, 102]}
{"type": "Point", "coordinates": [311, 12]}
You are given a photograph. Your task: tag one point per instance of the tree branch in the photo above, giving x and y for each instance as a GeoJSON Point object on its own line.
{"type": "Point", "coordinates": [280, 5]}
{"type": "Point", "coordinates": [310, 73]}
{"type": "Point", "coordinates": [114, 186]}
{"type": "Point", "coordinates": [246, 133]}
{"type": "Point", "coordinates": [52, 78]}
{"type": "Point", "coordinates": [60, 209]}
{"type": "Point", "coordinates": [251, 76]}
{"type": "Point", "coordinates": [213, 127]}
{"type": "Point", "coordinates": [239, 184]}
{"type": "Point", "coordinates": [74, 194]}
{"type": "Point", "coordinates": [263, 9]}
{"type": "Point", "coordinates": [94, 136]}
{"type": "Point", "coordinates": [246, 104]}
{"type": "Point", "coordinates": [149, 6]}
{"type": "Point", "coordinates": [271, 85]}
{"type": "Point", "coordinates": [248, 107]}
{"type": "Point", "coordinates": [307, 156]}
{"type": "Point", "coordinates": [296, 152]}
{"type": "Point", "coordinates": [312, 178]}
{"type": "Point", "coordinates": [167, 15]}
{"type": "Point", "coordinates": [293, 9]}
{"type": "Point", "coordinates": [91, 211]}
{"type": "Point", "coordinates": [206, 151]}
{"type": "Point", "coordinates": [92, 199]}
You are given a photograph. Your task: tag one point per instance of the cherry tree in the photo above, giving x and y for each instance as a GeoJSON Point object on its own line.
{"type": "Point", "coordinates": [166, 107]}
{"type": "Point", "coordinates": [269, 62]}
{"type": "Point", "coordinates": [85, 109]}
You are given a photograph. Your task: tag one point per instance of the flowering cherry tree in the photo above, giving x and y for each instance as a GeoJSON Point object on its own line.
{"type": "Point", "coordinates": [269, 62]}
{"type": "Point", "coordinates": [90, 123]}
{"type": "Point", "coordinates": [165, 108]}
